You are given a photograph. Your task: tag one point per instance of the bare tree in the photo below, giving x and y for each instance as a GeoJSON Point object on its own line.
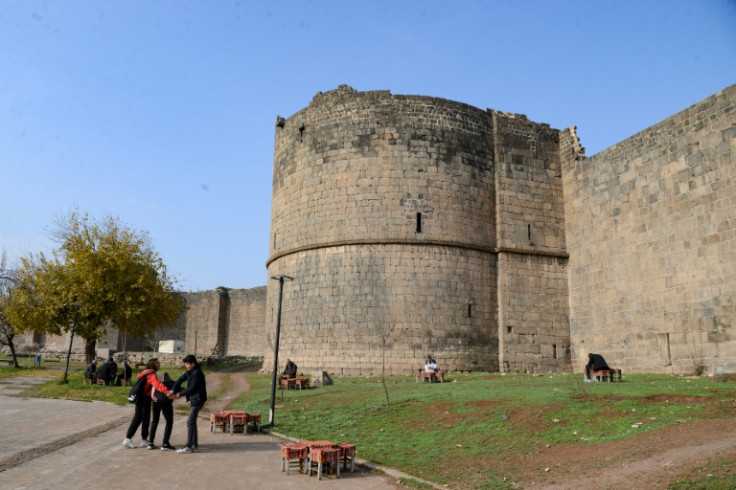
{"type": "Point", "coordinates": [386, 339]}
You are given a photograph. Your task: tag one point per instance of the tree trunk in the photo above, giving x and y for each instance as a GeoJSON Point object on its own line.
{"type": "Point", "coordinates": [12, 351]}
{"type": "Point", "coordinates": [383, 372]}
{"type": "Point", "coordinates": [90, 352]}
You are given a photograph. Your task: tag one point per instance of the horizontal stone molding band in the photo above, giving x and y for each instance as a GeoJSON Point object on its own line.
{"type": "Point", "coordinates": [425, 243]}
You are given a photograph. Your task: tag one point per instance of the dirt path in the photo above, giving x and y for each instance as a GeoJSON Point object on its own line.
{"type": "Point", "coordinates": [652, 460]}
{"type": "Point", "coordinates": [237, 384]}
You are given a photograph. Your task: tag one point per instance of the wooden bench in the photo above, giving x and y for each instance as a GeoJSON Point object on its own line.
{"type": "Point", "coordinates": [295, 383]}
{"type": "Point", "coordinates": [9, 362]}
{"type": "Point", "coordinates": [425, 376]}
{"type": "Point", "coordinates": [608, 375]}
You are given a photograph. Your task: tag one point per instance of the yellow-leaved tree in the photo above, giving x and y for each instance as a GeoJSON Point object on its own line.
{"type": "Point", "coordinates": [104, 273]}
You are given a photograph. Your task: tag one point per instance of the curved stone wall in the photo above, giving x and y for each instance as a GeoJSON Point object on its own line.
{"type": "Point", "coordinates": [384, 213]}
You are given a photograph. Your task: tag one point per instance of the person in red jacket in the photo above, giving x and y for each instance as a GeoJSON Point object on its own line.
{"type": "Point", "coordinates": [143, 404]}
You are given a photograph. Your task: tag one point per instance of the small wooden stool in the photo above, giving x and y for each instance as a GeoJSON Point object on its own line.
{"type": "Point", "coordinates": [347, 453]}
{"type": "Point", "coordinates": [236, 422]}
{"type": "Point", "coordinates": [293, 452]}
{"type": "Point", "coordinates": [253, 420]}
{"type": "Point", "coordinates": [322, 457]}
{"type": "Point", "coordinates": [218, 421]}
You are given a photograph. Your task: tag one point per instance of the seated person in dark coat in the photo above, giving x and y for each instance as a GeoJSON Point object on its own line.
{"type": "Point", "coordinates": [90, 372]}
{"type": "Point", "coordinates": [290, 370]}
{"type": "Point", "coordinates": [103, 371]}
{"type": "Point", "coordinates": [125, 375]}
{"type": "Point", "coordinates": [595, 363]}
{"type": "Point", "coordinates": [107, 372]}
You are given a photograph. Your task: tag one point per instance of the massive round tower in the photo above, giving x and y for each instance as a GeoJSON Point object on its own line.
{"type": "Point", "coordinates": [383, 212]}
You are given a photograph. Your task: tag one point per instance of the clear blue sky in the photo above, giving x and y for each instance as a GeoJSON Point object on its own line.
{"type": "Point", "coordinates": [163, 112]}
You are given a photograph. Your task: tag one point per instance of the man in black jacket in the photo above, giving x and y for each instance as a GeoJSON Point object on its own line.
{"type": "Point", "coordinates": [290, 370]}
{"type": "Point", "coordinates": [595, 363]}
{"type": "Point", "coordinates": [196, 393]}
{"type": "Point", "coordinates": [107, 372]}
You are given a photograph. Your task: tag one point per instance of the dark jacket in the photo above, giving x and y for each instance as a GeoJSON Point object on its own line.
{"type": "Point", "coordinates": [91, 371]}
{"type": "Point", "coordinates": [290, 370]}
{"type": "Point", "coordinates": [596, 362]}
{"type": "Point", "coordinates": [196, 390]}
{"type": "Point", "coordinates": [103, 372]}
{"type": "Point", "coordinates": [160, 396]}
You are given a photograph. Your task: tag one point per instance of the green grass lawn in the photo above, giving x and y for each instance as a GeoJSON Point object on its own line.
{"type": "Point", "coordinates": [477, 415]}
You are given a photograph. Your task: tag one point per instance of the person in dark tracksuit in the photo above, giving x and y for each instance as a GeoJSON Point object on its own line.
{"type": "Point", "coordinates": [595, 363]}
{"type": "Point", "coordinates": [142, 416]}
{"type": "Point", "coordinates": [162, 404]}
{"type": "Point", "coordinates": [196, 393]}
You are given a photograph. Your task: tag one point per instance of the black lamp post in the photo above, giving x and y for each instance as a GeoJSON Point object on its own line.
{"type": "Point", "coordinates": [281, 280]}
{"type": "Point", "coordinates": [71, 339]}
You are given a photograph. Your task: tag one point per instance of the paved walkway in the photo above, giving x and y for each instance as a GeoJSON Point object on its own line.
{"type": "Point", "coordinates": [65, 444]}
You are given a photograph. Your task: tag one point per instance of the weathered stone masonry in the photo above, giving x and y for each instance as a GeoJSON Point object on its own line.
{"type": "Point", "coordinates": [416, 225]}
{"type": "Point", "coordinates": [650, 226]}
{"type": "Point", "coordinates": [418, 221]}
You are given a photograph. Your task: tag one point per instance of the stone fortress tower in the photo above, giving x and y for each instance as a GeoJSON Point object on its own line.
{"type": "Point", "coordinates": [415, 225]}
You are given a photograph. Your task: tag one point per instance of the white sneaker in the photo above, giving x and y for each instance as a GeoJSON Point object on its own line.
{"type": "Point", "coordinates": [588, 380]}
{"type": "Point", "coordinates": [128, 443]}
{"type": "Point", "coordinates": [184, 450]}
{"type": "Point", "coordinates": [144, 443]}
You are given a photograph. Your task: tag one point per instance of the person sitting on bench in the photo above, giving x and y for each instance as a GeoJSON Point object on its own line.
{"type": "Point", "coordinates": [430, 366]}
{"type": "Point", "coordinates": [289, 371]}
{"type": "Point", "coordinates": [595, 363]}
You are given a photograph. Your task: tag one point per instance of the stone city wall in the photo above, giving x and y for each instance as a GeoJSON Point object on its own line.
{"type": "Point", "coordinates": [650, 229]}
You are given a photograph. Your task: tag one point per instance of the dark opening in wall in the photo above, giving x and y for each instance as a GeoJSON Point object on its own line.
{"type": "Point", "coordinates": [508, 328]}
{"type": "Point", "coordinates": [470, 310]}
{"type": "Point", "coordinates": [419, 222]}
{"type": "Point", "coordinates": [301, 132]}
{"type": "Point", "coordinates": [529, 232]}
{"type": "Point", "coordinates": [554, 351]}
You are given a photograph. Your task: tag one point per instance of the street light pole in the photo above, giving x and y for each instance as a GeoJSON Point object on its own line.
{"type": "Point", "coordinates": [71, 340]}
{"type": "Point", "coordinates": [281, 280]}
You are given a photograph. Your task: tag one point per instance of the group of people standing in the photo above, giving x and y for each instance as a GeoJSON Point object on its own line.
{"type": "Point", "coordinates": [158, 396]}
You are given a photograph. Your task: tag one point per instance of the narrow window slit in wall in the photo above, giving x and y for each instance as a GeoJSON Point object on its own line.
{"type": "Point", "coordinates": [508, 328]}
{"type": "Point", "coordinates": [529, 232]}
{"type": "Point", "coordinates": [419, 222]}
{"type": "Point", "coordinates": [554, 351]}
{"type": "Point", "coordinates": [470, 310]}
{"type": "Point", "coordinates": [301, 132]}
